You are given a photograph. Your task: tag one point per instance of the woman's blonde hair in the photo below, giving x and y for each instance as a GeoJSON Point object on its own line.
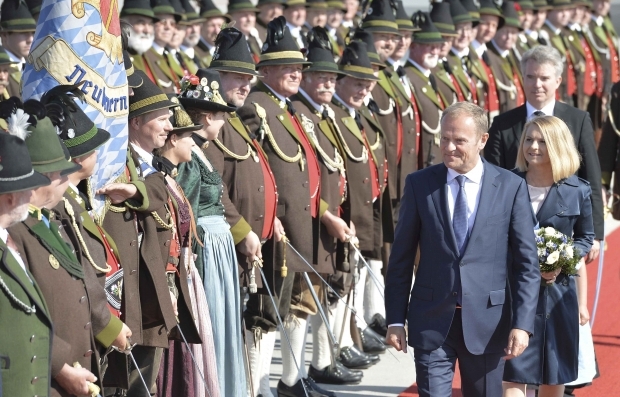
{"type": "Point", "coordinates": [563, 154]}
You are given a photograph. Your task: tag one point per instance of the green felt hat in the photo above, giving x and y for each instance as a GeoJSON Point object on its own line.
{"type": "Point", "coordinates": [473, 10]}
{"type": "Point", "coordinates": [560, 4]}
{"type": "Point", "coordinates": [541, 5]}
{"type": "Point", "coordinates": [337, 4]}
{"type": "Point", "coordinates": [291, 3]}
{"type": "Point", "coordinates": [402, 19]}
{"type": "Point", "coordinates": [442, 19]}
{"type": "Point", "coordinates": [16, 172]}
{"type": "Point", "coordinates": [279, 47]}
{"type": "Point", "coordinates": [264, 2]}
{"type": "Point", "coordinates": [241, 5]}
{"type": "Point", "coordinates": [138, 7]}
{"type": "Point", "coordinates": [525, 5]}
{"type": "Point", "coordinates": [511, 15]}
{"type": "Point", "coordinates": [190, 12]}
{"type": "Point", "coordinates": [320, 52]}
{"type": "Point", "coordinates": [318, 4]}
{"type": "Point", "coordinates": [209, 10]}
{"type": "Point", "coordinates": [232, 53]}
{"type": "Point", "coordinates": [427, 32]}
{"type": "Point", "coordinates": [459, 13]}
{"type": "Point", "coordinates": [380, 18]}
{"type": "Point", "coordinates": [202, 91]}
{"type": "Point", "coordinates": [488, 7]}
{"type": "Point", "coordinates": [34, 6]}
{"type": "Point", "coordinates": [15, 17]}
{"type": "Point", "coordinates": [4, 58]}
{"type": "Point", "coordinates": [355, 61]}
{"type": "Point", "coordinates": [161, 7]}
{"type": "Point", "coordinates": [147, 98]}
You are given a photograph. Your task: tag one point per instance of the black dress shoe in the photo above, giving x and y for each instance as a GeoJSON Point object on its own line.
{"type": "Point", "coordinates": [297, 390]}
{"type": "Point", "coordinates": [352, 357]}
{"type": "Point", "coordinates": [356, 372]}
{"type": "Point", "coordinates": [378, 325]}
{"type": "Point", "coordinates": [372, 341]}
{"type": "Point", "coordinates": [318, 389]}
{"type": "Point", "coordinates": [334, 375]}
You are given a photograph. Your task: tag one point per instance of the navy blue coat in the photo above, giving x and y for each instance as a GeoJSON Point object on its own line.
{"type": "Point", "coordinates": [503, 226]}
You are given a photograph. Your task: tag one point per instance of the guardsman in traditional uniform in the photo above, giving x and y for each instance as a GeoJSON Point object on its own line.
{"type": "Point", "coordinates": [243, 12]}
{"type": "Point", "coordinates": [363, 142]}
{"type": "Point", "coordinates": [6, 67]}
{"type": "Point", "coordinates": [553, 33]}
{"type": "Point", "coordinates": [193, 28]}
{"type": "Point", "coordinates": [214, 20]}
{"type": "Point", "coordinates": [250, 194]}
{"type": "Point", "coordinates": [25, 320]}
{"type": "Point", "coordinates": [459, 58]}
{"type": "Point", "coordinates": [268, 10]}
{"type": "Point", "coordinates": [53, 264]}
{"type": "Point", "coordinates": [181, 63]}
{"type": "Point", "coordinates": [271, 117]}
{"type": "Point", "coordinates": [607, 44]}
{"type": "Point", "coordinates": [17, 35]}
{"type": "Point", "coordinates": [316, 15]}
{"type": "Point", "coordinates": [502, 61]}
{"type": "Point", "coordinates": [34, 6]}
{"type": "Point", "coordinates": [94, 248]}
{"type": "Point", "coordinates": [312, 103]}
{"type": "Point", "coordinates": [491, 19]}
{"type": "Point", "coordinates": [525, 9]}
{"type": "Point", "coordinates": [608, 150]}
{"type": "Point", "coordinates": [137, 218]}
{"type": "Point", "coordinates": [337, 34]}
{"type": "Point", "coordinates": [423, 57]}
{"type": "Point", "coordinates": [295, 14]}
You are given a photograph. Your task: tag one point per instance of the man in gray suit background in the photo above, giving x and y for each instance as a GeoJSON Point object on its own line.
{"type": "Point", "coordinates": [476, 286]}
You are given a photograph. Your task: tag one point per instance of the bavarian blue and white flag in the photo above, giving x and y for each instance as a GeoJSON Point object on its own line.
{"type": "Point", "coordinates": [80, 41]}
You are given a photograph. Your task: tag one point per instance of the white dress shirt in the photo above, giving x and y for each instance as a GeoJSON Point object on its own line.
{"type": "Point", "coordinates": [502, 53]}
{"type": "Point", "coordinates": [349, 108]}
{"type": "Point", "coordinates": [158, 49]}
{"type": "Point", "coordinates": [473, 183]}
{"type": "Point", "coordinates": [426, 72]}
{"type": "Point", "coordinates": [547, 109]}
{"type": "Point", "coordinates": [281, 99]}
{"type": "Point", "coordinates": [296, 33]}
{"type": "Point", "coordinates": [316, 106]}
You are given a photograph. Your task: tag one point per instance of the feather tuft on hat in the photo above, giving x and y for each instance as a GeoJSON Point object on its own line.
{"type": "Point", "coordinates": [18, 124]}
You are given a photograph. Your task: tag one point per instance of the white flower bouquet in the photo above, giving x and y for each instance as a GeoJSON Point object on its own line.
{"type": "Point", "coordinates": [556, 251]}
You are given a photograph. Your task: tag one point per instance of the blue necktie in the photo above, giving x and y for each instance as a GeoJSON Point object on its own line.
{"type": "Point", "coordinates": [459, 218]}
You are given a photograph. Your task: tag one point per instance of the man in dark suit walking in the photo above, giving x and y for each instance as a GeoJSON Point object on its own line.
{"type": "Point", "coordinates": [466, 216]}
{"type": "Point", "coordinates": [542, 75]}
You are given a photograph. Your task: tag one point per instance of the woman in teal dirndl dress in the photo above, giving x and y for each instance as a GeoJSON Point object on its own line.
{"type": "Point", "coordinates": [215, 256]}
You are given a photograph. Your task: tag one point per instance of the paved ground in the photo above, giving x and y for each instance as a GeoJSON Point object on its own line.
{"type": "Point", "coordinates": [392, 375]}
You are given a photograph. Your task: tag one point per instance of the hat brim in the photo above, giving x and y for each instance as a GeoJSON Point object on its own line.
{"type": "Point", "coordinates": [65, 167]}
{"type": "Point", "coordinates": [138, 11]}
{"type": "Point", "coordinates": [282, 61]}
{"type": "Point", "coordinates": [31, 182]}
{"type": "Point", "coordinates": [20, 28]}
{"type": "Point", "coordinates": [167, 104]}
{"type": "Point", "coordinates": [359, 75]}
{"type": "Point", "coordinates": [429, 40]}
{"type": "Point", "coordinates": [233, 69]}
{"type": "Point", "coordinates": [383, 29]}
{"type": "Point", "coordinates": [324, 69]}
{"type": "Point", "coordinates": [183, 130]}
{"type": "Point", "coordinates": [209, 106]}
{"type": "Point", "coordinates": [244, 9]}
{"type": "Point", "coordinates": [134, 80]}
{"type": "Point", "coordinates": [101, 137]}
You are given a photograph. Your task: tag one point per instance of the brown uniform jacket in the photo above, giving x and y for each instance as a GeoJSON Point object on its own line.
{"type": "Point", "coordinates": [430, 108]}
{"type": "Point", "coordinates": [157, 68]}
{"type": "Point", "coordinates": [503, 72]}
{"type": "Point", "coordinates": [202, 54]}
{"type": "Point", "coordinates": [598, 37]}
{"type": "Point", "coordinates": [329, 150]}
{"type": "Point", "coordinates": [147, 307]}
{"type": "Point", "coordinates": [66, 296]}
{"type": "Point", "coordinates": [15, 78]}
{"type": "Point", "coordinates": [293, 208]}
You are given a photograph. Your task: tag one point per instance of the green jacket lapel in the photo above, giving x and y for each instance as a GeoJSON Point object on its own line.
{"type": "Point", "coordinates": [351, 125]}
{"type": "Point", "coordinates": [399, 86]}
{"type": "Point", "coordinates": [368, 116]}
{"type": "Point", "coordinates": [385, 84]}
{"type": "Point", "coordinates": [428, 90]}
{"type": "Point", "coordinates": [23, 277]}
{"type": "Point", "coordinates": [174, 65]}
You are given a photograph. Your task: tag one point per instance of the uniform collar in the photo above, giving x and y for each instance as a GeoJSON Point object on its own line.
{"type": "Point", "coordinates": [143, 154]}
{"type": "Point", "coordinates": [158, 49]}
{"type": "Point", "coordinates": [189, 51]}
{"type": "Point", "coordinates": [425, 72]}
{"type": "Point", "coordinates": [502, 53]}
{"type": "Point", "coordinates": [316, 106]}
{"type": "Point", "coordinates": [553, 28]}
{"type": "Point", "coordinates": [349, 108]}
{"type": "Point", "coordinates": [460, 54]}
{"type": "Point", "coordinates": [280, 98]}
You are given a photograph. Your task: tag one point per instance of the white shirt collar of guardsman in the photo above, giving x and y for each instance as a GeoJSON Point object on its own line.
{"type": "Point", "coordinates": [547, 109]}
{"type": "Point", "coordinates": [395, 64]}
{"type": "Point", "coordinates": [15, 58]}
{"type": "Point", "coordinates": [425, 72]}
{"type": "Point", "coordinates": [474, 175]}
{"type": "Point", "coordinates": [316, 106]}
{"type": "Point", "coordinates": [4, 235]}
{"type": "Point", "coordinates": [349, 108]}
{"type": "Point", "coordinates": [598, 19]}
{"type": "Point", "coordinates": [532, 33]}
{"type": "Point", "coordinates": [479, 47]}
{"type": "Point", "coordinates": [281, 98]}
{"type": "Point", "coordinates": [553, 28]}
{"type": "Point", "coordinates": [460, 54]}
{"type": "Point", "coordinates": [502, 53]}
{"type": "Point", "coordinates": [575, 27]}
{"type": "Point", "coordinates": [296, 33]}
{"type": "Point", "coordinates": [143, 154]}
{"type": "Point", "coordinates": [158, 49]}
{"type": "Point", "coordinates": [189, 51]}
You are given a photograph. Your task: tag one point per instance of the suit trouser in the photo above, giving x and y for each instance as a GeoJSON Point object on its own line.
{"type": "Point", "coordinates": [149, 360]}
{"type": "Point", "coordinates": [481, 375]}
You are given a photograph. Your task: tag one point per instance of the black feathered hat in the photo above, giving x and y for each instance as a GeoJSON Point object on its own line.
{"type": "Point", "coordinates": [442, 20]}
{"type": "Point", "coordinates": [202, 91]}
{"type": "Point", "coordinates": [380, 17]}
{"type": "Point", "coordinates": [232, 53]}
{"type": "Point", "coordinates": [402, 19]}
{"type": "Point", "coordinates": [77, 131]}
{"type": "Point", "coordinates": [428, 32]}
{"type": "Point", "coordinates": [147, 98]}
{"type": "Point", "coordinates": [16, 172]}
{"type": "Point", "coordinates": [366, 37]}
{"type": "Point", "coordinates": [355, 62]}
{"type": "Point", "coordinates": [320, 52]}
{"type": "Point", "coordinates": [15, 17]}
{"type": "Point", "coordinates": [280, 48]}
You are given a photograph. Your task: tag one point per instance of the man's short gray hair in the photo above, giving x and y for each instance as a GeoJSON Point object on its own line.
{"type": "Point", "coordinates": [543, 54]}
{"type": "Point", "coordinates": [468, 109]}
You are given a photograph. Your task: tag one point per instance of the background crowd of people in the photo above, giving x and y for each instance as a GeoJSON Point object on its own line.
{"type": "Point", "coordinates": [285, 162]}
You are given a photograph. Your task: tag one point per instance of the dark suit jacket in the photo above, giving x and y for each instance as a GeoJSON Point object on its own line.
{"type": "Point", "coordinates": [491, 307]}
{"type": "Point", "coordinates": [503, 145]}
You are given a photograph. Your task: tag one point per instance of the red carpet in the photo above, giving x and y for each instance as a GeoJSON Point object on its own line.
{"type": "Point", "coordinates": [606, 330]}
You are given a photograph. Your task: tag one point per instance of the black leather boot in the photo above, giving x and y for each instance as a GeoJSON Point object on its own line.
{"type": "Point", "coordinates": [372, 341]}
{"type": "Point", "coordinates": [335, 375]}
{"type": "Point", "coordinates": [352, 357]}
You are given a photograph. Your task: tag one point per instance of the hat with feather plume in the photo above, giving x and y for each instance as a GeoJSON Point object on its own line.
{"type": "Point", "coordinates": [232, 53]}
{"type": "Point", "coordinates": [280, 48]}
